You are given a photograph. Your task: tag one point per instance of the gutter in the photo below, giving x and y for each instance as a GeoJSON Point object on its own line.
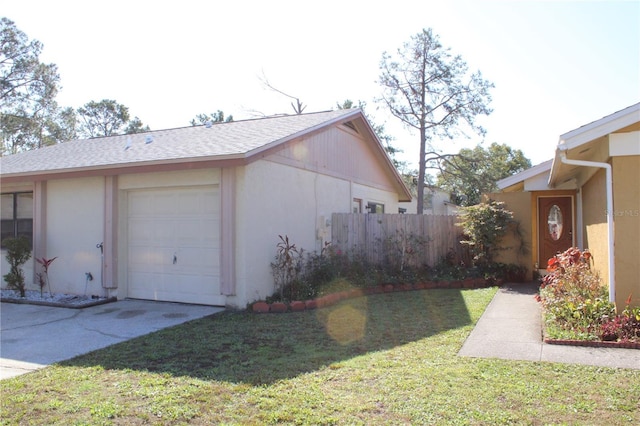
{"type": "Point", "coordinates": [609, 190]}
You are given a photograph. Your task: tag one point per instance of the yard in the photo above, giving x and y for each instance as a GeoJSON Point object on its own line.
{"type": "Point", "coordinates": [382, 359]}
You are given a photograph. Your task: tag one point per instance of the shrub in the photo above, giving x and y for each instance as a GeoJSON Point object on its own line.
{"type": "Point", "coordinates": [575, 303]}
{"type": "Point", "coordinates": [624, 327]}
{"type": "Point", "coordinates": [402, 250]}
{"type": "Point", "coordinates": [18, 252]}
{"type": "Point", "coordinates": [484, 225]}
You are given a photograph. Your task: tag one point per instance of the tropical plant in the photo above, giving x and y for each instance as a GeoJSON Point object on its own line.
{"type": "Point", "coordinates": [43, 277]}
{"type": "Point", "coordinates": [287, 265]}
{"type": "Point", "coordinates": [18, 252]}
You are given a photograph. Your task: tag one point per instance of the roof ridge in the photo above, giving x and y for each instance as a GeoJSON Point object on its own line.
{"type": "Point", "coordinates": [216, 123]}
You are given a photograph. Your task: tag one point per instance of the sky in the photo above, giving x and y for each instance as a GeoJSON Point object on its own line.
{"type": "Point", "coordinates": [556, 65]}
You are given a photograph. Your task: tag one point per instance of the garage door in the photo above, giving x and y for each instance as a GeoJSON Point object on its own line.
{"type": "Point", "coordinates": [174, 245]}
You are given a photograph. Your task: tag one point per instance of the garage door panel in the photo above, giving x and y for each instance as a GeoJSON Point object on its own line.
{"type": "Point", "coordinates": [164, 204]}
{"type": "Point", "coordinates": [184, 223]}
{"type": "Point", "coordinates": [140, 204]}
{"type": "Point", "coordinates": [188, 203]}
{"type": "Point", "coordinates": [141, 231]}
{"type": "Point", "coordinates": [164, 232]}
{"type": "Point", "coordinates": [202, 233]}
{"type": "Point", "coordinates": [211, 204]}
{"type": "Point", "coordinates": [140, 256]}
{"type": "Point", "coordinates": [204, 259]}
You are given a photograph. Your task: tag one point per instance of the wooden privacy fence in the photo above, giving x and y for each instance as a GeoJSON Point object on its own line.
{"type": "Point", "coordinates": [410, 239]}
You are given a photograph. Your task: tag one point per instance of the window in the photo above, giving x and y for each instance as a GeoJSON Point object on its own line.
{"type": "Point", "coordinates": [375, 207]}
{"type": "Point", "coordinates": [16, 215]}
{"type": "Point", "coordinates": [357, 205]}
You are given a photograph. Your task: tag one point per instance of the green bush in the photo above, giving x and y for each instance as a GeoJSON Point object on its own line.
{"type": "Point", "coordinates": [18, 252]}
{"type": "Point", "coordinates": [575, 302]}
{"type": "Point", "coordinates": [484, 225]}
{"type": "Point", "coordinates": [300, 275]}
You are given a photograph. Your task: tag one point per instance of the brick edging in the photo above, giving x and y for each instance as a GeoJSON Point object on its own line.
{"type": "Point", "coordinates": [594, 343]}
{"type": "Point", "coordinates": [333, 298]}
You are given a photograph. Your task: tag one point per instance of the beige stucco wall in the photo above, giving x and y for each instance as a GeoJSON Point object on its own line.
{"type": "Point", "coordinates": [275, 199]}
{"type": "Point", "coordinates": [594, 219]}
{"type": "Point", "coordinates": [520, 204]}
{"type": "Point", "coordinates": [626, 201]}
{"type": "Point", "coordinates": [75, 218]}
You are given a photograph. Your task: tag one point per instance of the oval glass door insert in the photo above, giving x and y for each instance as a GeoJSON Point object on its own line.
{"type": "Point", "coordinates": [555, 222]}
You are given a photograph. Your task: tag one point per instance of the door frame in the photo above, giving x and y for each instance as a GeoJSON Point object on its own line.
{"type": "Point", "coordinates": [535, 219]}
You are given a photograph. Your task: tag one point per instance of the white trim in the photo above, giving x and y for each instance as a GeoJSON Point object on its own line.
{"type": "Point", "coordinates": [599, 128]}
{"type": "Point", "coordinates": [525, 174]}
{"type": "Point", "coordinates": [622, 144]}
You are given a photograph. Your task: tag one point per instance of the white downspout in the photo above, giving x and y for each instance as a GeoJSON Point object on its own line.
{"type": "Point", "coordinates": [609, 189]}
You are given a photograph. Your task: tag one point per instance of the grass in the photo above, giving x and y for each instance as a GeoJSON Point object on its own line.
{"type": "Point", "coordinates": [384, 359]}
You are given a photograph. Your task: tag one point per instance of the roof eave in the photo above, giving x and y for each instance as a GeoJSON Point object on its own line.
{"type": "Point", "coordinates": [523, 175]}
{"type": "Point", "coordinates": [405, 195]}
{"type": "Point", "coordinates": [235, 159]}
{"type": "Point", "coordinates": [589, 132]}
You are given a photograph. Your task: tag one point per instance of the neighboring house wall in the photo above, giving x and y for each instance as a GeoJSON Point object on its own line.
{"type": "Point", "coordinates": [188, 219]}
{"type": "Point", "coordinates": [626, 196]}
{"type": "Point", "coordinates": [594, 218]}
{"type": "Point", "coordinates": [275, 200]}
{"type": "Point", "coordinates": [278, 196]}
{"type": "Point", "coordinates": [437, 203]}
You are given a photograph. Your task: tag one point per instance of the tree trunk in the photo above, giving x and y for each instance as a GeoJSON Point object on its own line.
{"type": "Point", "coordinates": [422, 169]}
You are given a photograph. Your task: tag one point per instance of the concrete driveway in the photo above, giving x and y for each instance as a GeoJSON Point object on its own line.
{"type": "Point", "coordinates": [32, 337]}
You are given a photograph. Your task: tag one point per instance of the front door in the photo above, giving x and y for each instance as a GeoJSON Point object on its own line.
{"type": "Point", "coordinates": [555, 226]}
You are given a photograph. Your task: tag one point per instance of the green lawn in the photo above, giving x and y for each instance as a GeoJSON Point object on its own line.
{"type": "Point", "coordinates": [383, 359]}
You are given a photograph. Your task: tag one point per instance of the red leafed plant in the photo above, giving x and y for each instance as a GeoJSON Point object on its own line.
{"type": "Point", "coordinates": [624, 327]}
{"type": "Point", "coordinates": [561, 263]}
{"type": "Point", "coordinates": [576, 306]}
{"type": "Point", "coordinates": [43, 277]}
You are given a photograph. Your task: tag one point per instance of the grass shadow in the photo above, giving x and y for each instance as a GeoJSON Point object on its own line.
{"type": "Point", "coordinates": [256, 349]}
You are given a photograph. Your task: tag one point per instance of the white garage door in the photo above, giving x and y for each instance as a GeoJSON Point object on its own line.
{"type": "Point", "coordinates": [174, 245]}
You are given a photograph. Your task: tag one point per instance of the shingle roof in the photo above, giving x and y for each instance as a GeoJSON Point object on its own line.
{"type": "Point", "coordinates": [238, 139]}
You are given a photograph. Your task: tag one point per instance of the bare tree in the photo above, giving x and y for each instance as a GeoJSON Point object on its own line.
{"type": "Point", "coordinates": [298, 107]}
{"type": "Point", "coordinates": [430, 90]}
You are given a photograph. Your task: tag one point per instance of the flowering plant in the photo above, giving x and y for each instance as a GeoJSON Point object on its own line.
{"type": "Point", "coordinates": [576, 304]}
{"type": "Point", "coordinates": [574, 301]}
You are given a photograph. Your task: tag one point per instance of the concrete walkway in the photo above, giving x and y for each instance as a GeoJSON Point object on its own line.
{"type": "Point", "coordinates": [511, 328]}
{"type": "Point", "coordinates": [32, 337]}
